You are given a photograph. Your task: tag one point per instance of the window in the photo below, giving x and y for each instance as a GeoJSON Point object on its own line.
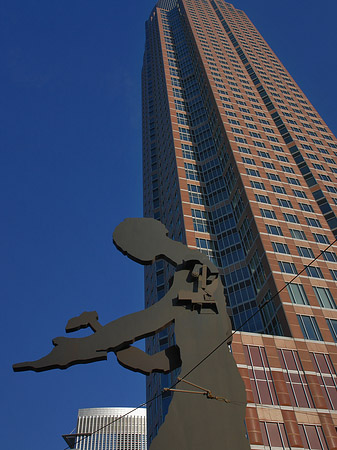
{"type": "Point", "coordinates": [237, 130]}
{"type": "Point", "coordinates": [313, 437]}
{"type": "Point", "coordinates": [273, 176]}
{"type": "Point", "coordinates": [293, 181]}
{"type": "Point", "coordinates": [249, 161]}
{"type": "Point", "coordinates": [278, 189]}
{"type": "Point", "coordinates": [232, 121]}
{"type": "Point", "coordinates": [244, 149]}
{"type": "Point", "coordinates": [323, 150]}
{"type": "Point", "coordinates": [257, 185]}
{"type": "Point", "coordinates": [324, 297]}
{"type": "Point", "coordinates": [298, 234]}
{"type": "Point", "coordinates": [324, 177]}
{"type": "Point", "coordinates": [273, 229]}
{"type": "Point", "coordinates": [287, 169]}
{"type": "Point", "coordinates": [330, 256]}
{"type": "Point", "coordinates": [279, 247]}
{"type": "Point", "coordinates": [332, 189]}
{"type": "Point", "coordinates": [321, 238]}
{"type": "Point", "coordinates": [291, 218]}
{"type": "Point", "coordinates": [251, 125]}
{"type": "Point", "coordinates": [262, 198]}
{"type": "Point", "coordinates": [297, 294]}
{"type": "Point", "coordinates": [268, 130]}
{"type": "Point", "coordinates": [195, 194]}
{"type": "Point", "coordinates": [329, 160]}
{"type": "Point", "coordinates": [327, 378]}
{"type": "Point", "coordinates": [206, 246]}
{"type": "Point", "coordinates": [314, 272]}
{"type": "Point", "coordinates": [282, 158]}
{"type": "Point", "coordinates": [191, 171]}
{"type": "Point", "coordinates": [277, 148]}
{"type": "Point", "coordinates": [200, 221]}
{"type": "Point", "coordinates": [306, 207]}
{"type": "Point", "coordinates": [287, 267]}
{"type": "Point", "coordinates": [264, 121]}
{"type": "Point", "coordinates": [260, 375]}
{"type": "Point", "coordinates": [274, 435]}
{"type": "Point", "coordinates": [318, 166]}
{"type": "Point", "coordinates": [263, 154]}
{"type": "Point", "coordinates": [285, 203]}
{"type": "Point", "coordinates": [295, 379]}
{"type": "Point", "coordinates": [268, 165]}
{"type": "Point", "coordinates": [310, 328]}
{"type": "Point", "coordinates": [333, 328]}
{"type": "Point", "coordinates": [300, 194]}
{"type": "Point", "coordinates": [253, 172]}
{"type": "Point", "coordinates": [305, 252]}
{"type": "Point", "coordinates": [334, 274]}
{"type": "Point", "coordinates": [228, 106]}
{"type": "Point", "coordinates": [272, 138]}
{"type": "Point", "coordinates": [269, 213]}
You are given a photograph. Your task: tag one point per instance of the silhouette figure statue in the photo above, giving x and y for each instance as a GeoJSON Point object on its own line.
{"type": "Point", "coordinates": [196, 305]}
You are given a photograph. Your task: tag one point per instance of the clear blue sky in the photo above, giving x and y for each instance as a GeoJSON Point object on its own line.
{"type": "Point", "coordinates": [70, 162]}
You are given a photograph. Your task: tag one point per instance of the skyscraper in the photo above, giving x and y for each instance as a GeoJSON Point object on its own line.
{"type": "Point", "coordinates": [238, 164]}
{"type": "Point", "coordinates": [112, 428]}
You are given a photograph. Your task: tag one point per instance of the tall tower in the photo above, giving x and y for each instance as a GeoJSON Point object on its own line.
{"type": "Point", "coordinates": [112, 428]}
{"type": "Point", "coordinates": [238, 164]}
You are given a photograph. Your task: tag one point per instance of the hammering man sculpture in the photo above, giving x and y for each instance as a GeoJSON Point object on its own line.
{"type": "Point", "coordinates": [196, 305]}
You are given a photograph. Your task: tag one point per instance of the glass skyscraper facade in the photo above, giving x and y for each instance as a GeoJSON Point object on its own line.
{"type": "Point", "coordinates": [239, 164]}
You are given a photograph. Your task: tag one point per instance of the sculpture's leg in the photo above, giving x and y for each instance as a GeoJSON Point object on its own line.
{"type": "Point", "coordinates": [135, 359]}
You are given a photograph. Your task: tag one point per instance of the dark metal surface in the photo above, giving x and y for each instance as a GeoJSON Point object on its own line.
{"type": "Point", "coordinates": [196, 305]}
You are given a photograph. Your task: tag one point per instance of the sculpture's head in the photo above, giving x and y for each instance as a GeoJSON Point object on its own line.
{"type": "Point", "coordinates": [141, 239]}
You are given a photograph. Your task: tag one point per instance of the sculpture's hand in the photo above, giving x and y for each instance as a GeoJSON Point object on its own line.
{"type": "Point", "coordinates": [66, 353]}
{"type": "Point", "coordinates": [84, 320]}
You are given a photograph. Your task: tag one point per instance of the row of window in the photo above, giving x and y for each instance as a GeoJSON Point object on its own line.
{"type": "Point", "coordinates": [298, 295]}
{"type": "Point", "coordinates": [255, 134]}
{"type": "Point", "coordinates": [295, 234]}
{"type": "Point", "coordinates": [270, 176]}
{"type": "Point", "coordinates": [262, 383]}
{"type": "Point", "coordinates": [288, 267]}
{"type": "Point", "coordinates": [274, 436]}
{"type": "Point", "coordinates": [279, 189]}
{"type": "Point", "coordinates": [304, 252]}
{"type": "Point", "coordinates": [267, 164]}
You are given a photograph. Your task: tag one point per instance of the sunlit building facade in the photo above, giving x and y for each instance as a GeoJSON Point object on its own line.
{"type": "Point", "coordinates": [112, 428]}
{"type": "Point", "coordinates": [239, 164]}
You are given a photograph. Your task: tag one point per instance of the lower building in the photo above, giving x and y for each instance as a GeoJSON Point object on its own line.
{"type": "Point", "coordinates": [118, 429]}
{"type": "Point", "coordinates": [291, 387]}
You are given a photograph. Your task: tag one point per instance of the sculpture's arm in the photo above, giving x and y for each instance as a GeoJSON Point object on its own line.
{"type": "Point", "coordinates": [114, 336]}
{"type": "Point", "coordinates": [127, 329]}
